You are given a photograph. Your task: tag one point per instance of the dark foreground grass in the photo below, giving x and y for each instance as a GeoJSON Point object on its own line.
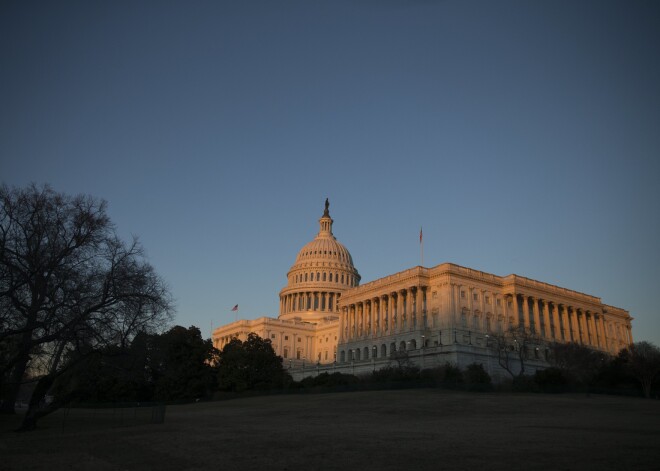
{"type": "Point", "coordinates": [380, 430]}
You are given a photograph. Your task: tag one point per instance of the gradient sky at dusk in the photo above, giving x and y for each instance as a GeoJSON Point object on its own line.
{"type": "Point", "coordinates": [523, 136]}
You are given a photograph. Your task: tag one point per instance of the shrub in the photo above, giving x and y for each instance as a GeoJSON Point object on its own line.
{"type": "Point", "coordinates": [524, 383]}
{"type": "Point", "coordinates": [551, 380]}
{"type": "Point", "coordinates": [327, 380]}
{"type": "Point", "coordinates": [446, 376]}
{"type": "Point", "coordinates": [477, 379]}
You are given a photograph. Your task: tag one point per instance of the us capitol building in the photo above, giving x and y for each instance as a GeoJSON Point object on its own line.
{"type": "Point", "coordinates": [447, 313]}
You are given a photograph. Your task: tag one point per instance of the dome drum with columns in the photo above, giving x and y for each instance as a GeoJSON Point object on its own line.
{"type": "Point", "coordinates": [306, 329]}
{"type": "Point", "coordinates": [322, 271]}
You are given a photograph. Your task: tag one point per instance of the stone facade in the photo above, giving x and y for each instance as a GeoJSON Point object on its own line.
{"type": "Point", "coordinates": [447, 313]}
{"type": "Point", "coordinates": [450, 313]}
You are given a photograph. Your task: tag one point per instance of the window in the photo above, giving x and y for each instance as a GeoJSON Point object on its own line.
{"type": "Point", "coordinates": [498, 302]}
{"type": "Point", "coordinates": [286, 352]}
{"type": "Point", "coordinates": [286, 337]}
{"type": "Point", "coordinates": [487, 299]}
{"type": "Point", "coordinates": [272, 336]}
{"type": "Point", "coordinates": [299, 340]}
{"type": "Point", "coordinates": [434, 294]}
{"type": "Point", "coordinates": [462, 294]}
{"type": "Point", "coordinates": [475, 296]}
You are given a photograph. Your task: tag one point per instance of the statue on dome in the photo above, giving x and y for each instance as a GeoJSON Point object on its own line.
{"type": "Point", "coordinates": [327, 205]}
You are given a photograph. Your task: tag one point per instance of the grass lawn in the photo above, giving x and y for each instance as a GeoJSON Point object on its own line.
{"type": "Point", "coordinates": [380, 430]}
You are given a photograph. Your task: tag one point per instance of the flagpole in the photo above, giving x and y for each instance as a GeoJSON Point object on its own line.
{"type": "Point", "coordinates": [421, 247]}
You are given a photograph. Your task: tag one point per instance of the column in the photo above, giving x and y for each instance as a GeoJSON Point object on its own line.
{"type": "Point", "coordinates": [394, 312]}
{"type": "Point", "coordinates": [399, 311]}
{"type": "Point", "coordinates": [546, 320]}
{"type": "Point", "coordinates": [370, 315]}
{"type": "Point", "coordinates": [418, 308]}
{"type": "Point", "coordinates": [360, 319]}
{"type": "Point", "coordinates": [341, 327]}
{"type": "Point", "coordinates": [483, 309]}
{"type": "Point", "coordinates": [579, 318]}
{"type": "Point", "coordinates": [591, 328]}
{"type": "Point", "coordinates": [572, 322]}
{"type": "Point", "coordinates": [525, 302]}
{"type": "Point", "coordinates": [424, 313]}
{"type": "Point", "coordinates": [599, 343]}
{"type": "Point", "coordinates": [604, 328]}
{"type": "Point", "coordinates": [557, 321]}
{"type": "Point", "coordinates": [537, 317]}
{"type": "Point", "coordinates": [516, 311]}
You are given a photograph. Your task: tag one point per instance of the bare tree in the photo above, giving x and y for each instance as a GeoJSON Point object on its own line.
{"type": "Point", "coordinates": [513, 348]}
{"type": "Point", "coordinates": [579, 363]}
{"type": "Point", "coordinates": [643, 363]}
{"type": "Point", "coordinates": [68, 287]}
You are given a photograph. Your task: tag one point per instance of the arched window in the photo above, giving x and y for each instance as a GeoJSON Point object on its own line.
{"type": "Point", "coordinates": [366, 353]}
{"type": "Point", "coordinates": [305, 276]}
{"type": "Point", "coordinates": [318, 276]}
{"type": "Point", "coordinates": [383, 351]}
{"type": "Point", "coordinates": [324, 274]}
{"type": "Point", "coordinates": [342, 356]}
{"type": "Point", "coordinates": [286, 352]}
{"type": "Point", "coordinates": [402, 346]}
{"type": "Point", "coordinates": [392, 348]}
{"type": "Point", "coordinates": [342, 278]}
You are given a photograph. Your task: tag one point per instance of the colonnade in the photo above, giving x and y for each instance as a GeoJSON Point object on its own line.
{"type": "Point", "coordinates": [324, 301]}
{"type": "Point", "coordinates": [550, 320]}
{"type": "Point", "coordinates": [399, 311]}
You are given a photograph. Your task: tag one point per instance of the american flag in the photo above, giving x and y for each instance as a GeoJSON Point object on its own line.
{"type": "Point", "coordinates": [235, 308]}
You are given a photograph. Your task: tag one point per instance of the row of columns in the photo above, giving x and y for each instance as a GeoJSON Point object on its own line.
{"type": "Point", "coordinates": [551, 320]}
{"type": "Point", "coordinates": [400, 311]}
{"type": "Point", "coordinates": [309, 301]}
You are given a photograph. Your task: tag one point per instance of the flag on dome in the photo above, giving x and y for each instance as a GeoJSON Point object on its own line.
{"type": "Point", "coordinates": [420, 235]}
{"type": "Point", "coordinates": [235, 308]}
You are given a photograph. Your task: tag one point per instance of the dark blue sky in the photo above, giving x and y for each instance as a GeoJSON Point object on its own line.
{"type": "Point", "coordinates": [523, 136]}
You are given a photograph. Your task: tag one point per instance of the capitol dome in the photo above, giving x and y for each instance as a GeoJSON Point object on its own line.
{"type": "Point", "coordinates": [322, 271]}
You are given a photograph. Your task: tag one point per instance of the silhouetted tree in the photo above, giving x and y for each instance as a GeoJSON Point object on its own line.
{"type": "Point", "coordinates": [642, 362]}
{"type": "Point", "coordinates": [252, 364]}
{"type": "Point", "coordinates": [580, 364]}
{"type": "Point", "coordinates": [180, 362]}
{"type": "Point", "coordinates": [69, 287]}
{"type": "Point", "coordinates": [476, 378]}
